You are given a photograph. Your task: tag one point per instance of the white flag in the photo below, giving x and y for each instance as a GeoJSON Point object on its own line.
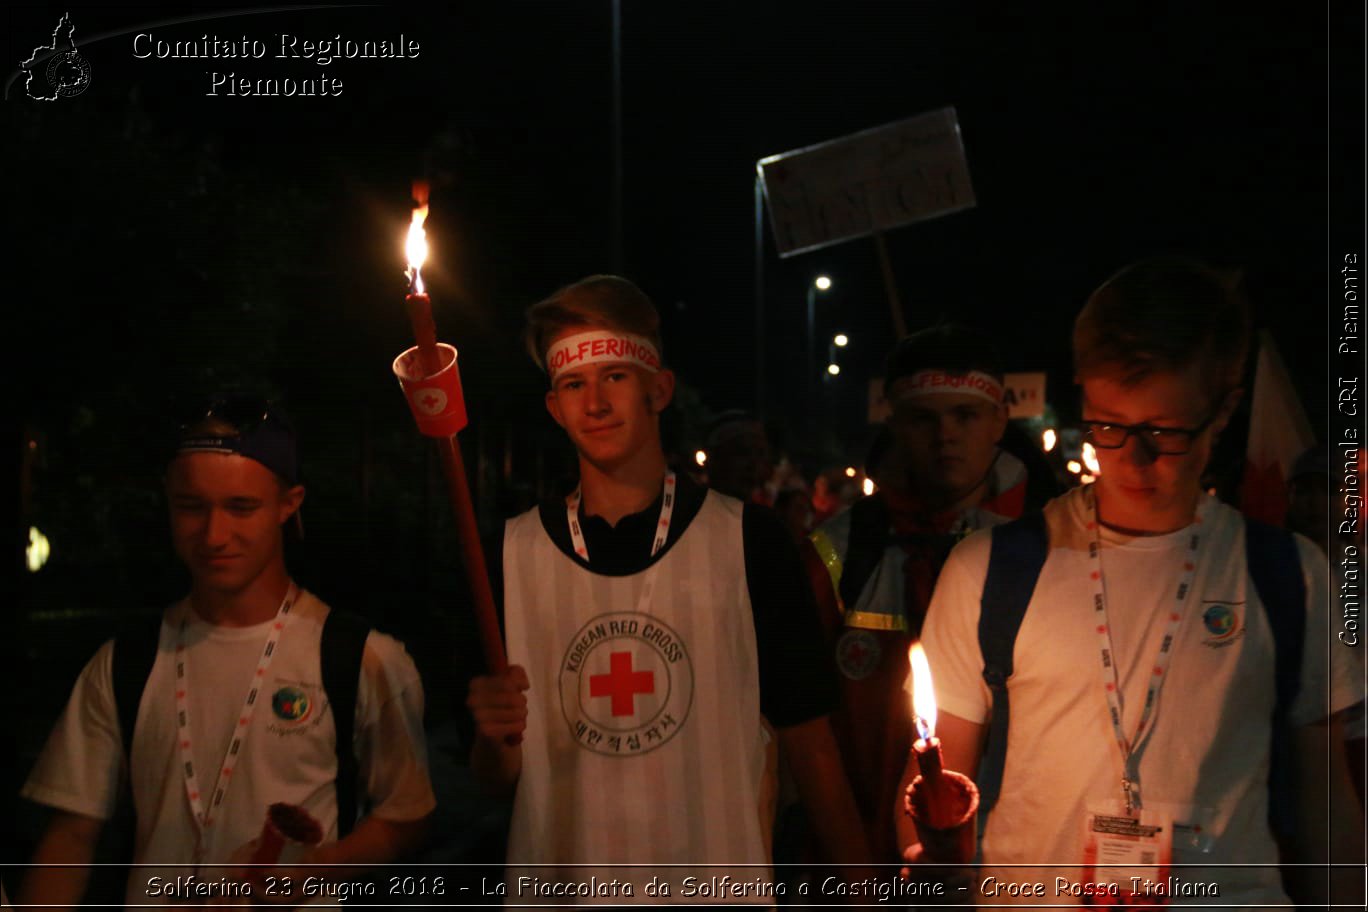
{"type": "Point", "coordinates": [1278, 433]}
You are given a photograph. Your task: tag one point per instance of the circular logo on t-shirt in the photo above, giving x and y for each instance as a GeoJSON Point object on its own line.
{"type": "Point", "coordinates": [1220, 621]}
{"type": "Point", "coordinates": [291, 704]}
{"type": "Point", "coordinates": [858, 653]}
{"type": "Point", "coordinates": [626, 684]}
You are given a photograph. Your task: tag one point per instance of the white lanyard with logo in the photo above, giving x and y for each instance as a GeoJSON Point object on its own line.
{"type": "Point", "coordinates": [204, 817]}
{"type": "Point", "coordinates": [572, 505]}
{"type": "Point", "coordinates": [1111, 684]}
{"type": "Point", "coordinates": [667, 502]}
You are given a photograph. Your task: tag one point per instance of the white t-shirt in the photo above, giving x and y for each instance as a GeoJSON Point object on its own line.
{"type": "Point", "coordinates": [1208, 754]}
{"type": "Point", "coordinates": [288, 754]}
{"type": "Point", "coordinates": [644, 742]}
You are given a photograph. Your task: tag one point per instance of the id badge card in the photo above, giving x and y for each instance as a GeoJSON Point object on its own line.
{"type": "Point", "coordinates": [1126, 857]}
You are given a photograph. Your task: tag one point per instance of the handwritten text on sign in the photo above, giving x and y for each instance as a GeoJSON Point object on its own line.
{"type": "Point", "coordinates": [869, 181]}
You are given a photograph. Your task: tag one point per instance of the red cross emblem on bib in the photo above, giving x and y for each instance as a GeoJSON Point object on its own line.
{"type": "Point", "coordinates": [622, 684]}
{"type": "Point", "coordinates": [626, 684]}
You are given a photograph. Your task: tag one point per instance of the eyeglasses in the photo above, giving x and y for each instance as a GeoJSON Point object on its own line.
{"type": "Point", "coordinates": [1161, 441]}
{"type": "Point", "coordinates": [244, 413]}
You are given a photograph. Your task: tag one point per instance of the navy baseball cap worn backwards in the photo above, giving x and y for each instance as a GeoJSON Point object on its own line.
{"type": "Point", "coordinates": [251, 426]}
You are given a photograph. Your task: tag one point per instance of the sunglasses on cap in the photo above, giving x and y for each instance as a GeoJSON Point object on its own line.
{"type": "Point", "coordinates": [243, 413]}
{"type": "Point", "coordinates": [250, 426]}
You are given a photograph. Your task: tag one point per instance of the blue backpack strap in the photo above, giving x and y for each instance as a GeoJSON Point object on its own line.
{"type": "Point", "coordinates": [340, 652]}
{"type": "Point", "coordinates": [135, 651]}
{"type": "Point", "coordinates": [1275, 569]}
{"type": "Point", "coordinates": [1018, 552]}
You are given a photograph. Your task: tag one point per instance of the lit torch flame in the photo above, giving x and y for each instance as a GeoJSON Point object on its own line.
{"type": "Point", "coordinates": [417, 248]}
{"type": "Point", "coordinates": [1090, 459]}
{"type": "Point", "coordinates": [923, 694]}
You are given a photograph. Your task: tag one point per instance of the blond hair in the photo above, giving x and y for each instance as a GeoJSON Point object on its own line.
{"type": "Point", "coordinates": [605, 301]}
{"type": "Point", "coordinates": [1164, 314]}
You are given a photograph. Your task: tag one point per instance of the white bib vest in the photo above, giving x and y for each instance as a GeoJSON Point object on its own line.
{"type": "Point", "coordinates": [644, 743]}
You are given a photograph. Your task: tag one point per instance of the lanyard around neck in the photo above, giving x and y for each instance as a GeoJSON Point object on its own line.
{"type": "Point", "coordinates": [204, 814]}
{"type": "Point", "coordinates": [667, 502]}
{"type": "Point", "coordinates": [1111, 682]}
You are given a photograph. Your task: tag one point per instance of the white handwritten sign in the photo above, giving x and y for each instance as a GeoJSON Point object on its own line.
{"type": "Point", "coordinates": [903, 172]}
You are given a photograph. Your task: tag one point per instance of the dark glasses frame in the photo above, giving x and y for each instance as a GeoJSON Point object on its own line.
{"type": "Point", "coordinates": [1161, 441]}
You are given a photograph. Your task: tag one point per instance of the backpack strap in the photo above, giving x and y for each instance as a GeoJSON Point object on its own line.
{"type": "Point", "coordinates": [1275, 569]}
{"type": "Point", "coordinates": [869, 521]}
{"type": "Point", "coordinates": [135, 651]}
{"type": "Point", "coordinates": [340, 653]}
{"type": "Point", "coordinates": [1019, 549]}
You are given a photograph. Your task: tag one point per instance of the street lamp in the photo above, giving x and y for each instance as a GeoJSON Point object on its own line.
{"type": "Point", "coordinates": [841, 340]}
{"type": "Point", "coordinates": [821, 283]}
{"type": "Point", "coordinates": [833, 369]}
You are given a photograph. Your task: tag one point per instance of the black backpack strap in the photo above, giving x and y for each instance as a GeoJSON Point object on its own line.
{"type": "Point", "coordinates": [1275, 569]}
{"type": "Point", "coordinates": [135, 651]}
{"type": "Point", "coordinates": [869, 535]}
{"type": "Point", "coordinates": [1019, 549]}
{"type": "Point", "coordinates": [340, 652]}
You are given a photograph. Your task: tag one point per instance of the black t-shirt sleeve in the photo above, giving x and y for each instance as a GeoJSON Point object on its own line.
{"type": "Point", "coordinates": [797, 672]}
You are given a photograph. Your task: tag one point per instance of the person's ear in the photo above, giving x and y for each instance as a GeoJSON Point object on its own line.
{"type": "Point", "coordinates": [291, 499]}
{"type": "Point", "coordinates": [999, 422]}
{"type": "Point", "coordinates": [1227, 409]}
{"type": "Point", "coordinates": [553, 406]}
{"type": "Point", "coordinates": [661, 385]}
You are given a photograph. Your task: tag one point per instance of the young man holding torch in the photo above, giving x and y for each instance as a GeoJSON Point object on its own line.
{"type": "Point", "coordinates": [650, 624]}
{"type": "Point", "coordinates": [234, 708]}
{"type": "Point", "coordinates": [1154, 679]}
{"type": "Point", "coordinates": [873, 566]}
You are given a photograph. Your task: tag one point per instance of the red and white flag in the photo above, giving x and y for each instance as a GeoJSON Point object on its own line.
{"type": "Point", "coordinates": [1279, 432]}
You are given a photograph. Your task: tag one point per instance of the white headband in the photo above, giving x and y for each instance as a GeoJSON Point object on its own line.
{"type": "Point", "coordinates": [939, 382]}
{"type": "Point", "coordinates": [597, 347]}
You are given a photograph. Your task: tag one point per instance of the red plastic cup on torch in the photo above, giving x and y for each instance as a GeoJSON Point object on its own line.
{"type": "Point", "coordinates": [436, 399]}
{"type": "Point", "coordinates": [431, 381]}
{"type": "Point", "coordinates": [942, 803]}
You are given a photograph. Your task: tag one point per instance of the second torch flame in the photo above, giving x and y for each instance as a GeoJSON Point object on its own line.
{"type": "Point", "coordinates": [923, 694]}
{"type": "Point", "coordinates": [416, 247]}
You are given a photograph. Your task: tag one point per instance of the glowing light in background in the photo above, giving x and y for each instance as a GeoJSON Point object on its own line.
{"type": "Point", "coordinates": [38, 550]}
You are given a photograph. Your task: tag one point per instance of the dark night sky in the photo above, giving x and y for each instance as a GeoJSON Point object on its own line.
{"type": "Point", "coordinates": [180, 242]}
{"type": "Point", "coordinates": [1093, 137]}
